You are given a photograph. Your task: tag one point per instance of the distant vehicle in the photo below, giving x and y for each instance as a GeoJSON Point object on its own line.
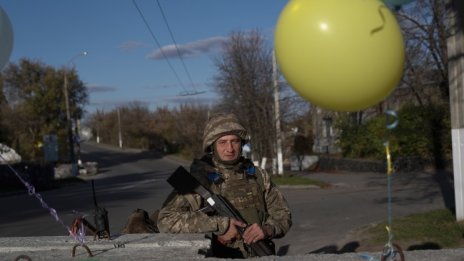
{"type": "Point", "coordinates": [8, 155]}
{"type": "Point", "coordinates": [85, 134]}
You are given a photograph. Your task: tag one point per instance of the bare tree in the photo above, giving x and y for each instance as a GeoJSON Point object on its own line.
{"type": "Point", "coordinates": [425, 28]}
{"type": "Point", "coordinates": [244, 82]}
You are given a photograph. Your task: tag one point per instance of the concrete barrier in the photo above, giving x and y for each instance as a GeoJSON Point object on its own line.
{"type": "Point", "coordinates": [125, 247]}
{"type": "Point", "coordinates": [166, 247]}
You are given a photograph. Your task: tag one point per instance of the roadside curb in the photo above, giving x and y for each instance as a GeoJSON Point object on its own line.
{"type": "Point", "coordinates": [298, 187]}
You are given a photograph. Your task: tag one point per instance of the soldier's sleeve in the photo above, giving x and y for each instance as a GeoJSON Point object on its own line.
{"type": "Point", "coordinates": [181, 214]}
{"type": "Point", "coordinates": [279, 220]}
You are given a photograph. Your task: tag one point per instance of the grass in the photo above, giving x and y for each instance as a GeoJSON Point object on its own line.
{"type": "Point", "coordinates": [435, 229]}
{"type": "Point", "coordinates": [292, 179]}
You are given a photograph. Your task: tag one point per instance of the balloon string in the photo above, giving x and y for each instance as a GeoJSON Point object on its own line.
{"type": "Point", "coordinates": [79, 237]}
{"type": "Point", "coordinates": [389, 126]}
{"type": "Point", "coordinates": [391, 123]}
{"type": "Point", "coordinates": [377, 29]}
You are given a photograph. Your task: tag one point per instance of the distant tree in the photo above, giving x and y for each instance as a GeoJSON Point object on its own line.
{"type": "Point", "coordinates": [423, 132]}
{"type": "Point", "coordinates": [35, 103]}
{"type": "Point", "coordinates": [178, 130]}
{"type": "Point", "coordinates": [107, 126]}
{"type": "Point", "coordinates": [189, 125]}
{"type": "Point", "coordinates": [163, 123]}
{"type": "Point", "coordinates": [135, 119]}
{"type": "Point", "coordinates": [302, 137]}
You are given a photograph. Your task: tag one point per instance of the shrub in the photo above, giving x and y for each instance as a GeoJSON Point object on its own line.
{"type": "Point", "coordinates": [422, 131]}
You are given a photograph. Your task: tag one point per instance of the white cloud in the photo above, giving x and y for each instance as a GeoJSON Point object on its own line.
{"type": "Point", "coordinates": [188, 50]}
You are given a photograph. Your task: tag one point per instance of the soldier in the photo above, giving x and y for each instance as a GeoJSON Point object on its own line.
{"type": "Point", "coordinates": [247, 187]}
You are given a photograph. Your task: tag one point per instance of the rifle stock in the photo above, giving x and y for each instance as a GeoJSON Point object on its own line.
{"type": "Point", "coordinates": [183, 182]}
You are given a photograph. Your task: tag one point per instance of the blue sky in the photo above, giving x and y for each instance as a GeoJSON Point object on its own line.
{"type": "Point", "coordinates": [123, 62]}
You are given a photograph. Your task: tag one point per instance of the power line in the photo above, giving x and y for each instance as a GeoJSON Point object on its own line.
{"type": "Point", "coordinates": [175, 44]}
{"type": "Point", "coordinates": [159, 45]}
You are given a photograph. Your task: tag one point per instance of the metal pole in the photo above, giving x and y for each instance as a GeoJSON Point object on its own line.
{"type": "Point", "coordinates": [280, 168]}
{"type": "Point", "coordinates": [456, 88]}
{"type": "Point", "coordinates": [68, 119]}
{"type": "Point", "coordinates": [98, 132]}
{"type": "Point", "coordinates": [78, 141]}
{"type": "Point", "coordinates": [72, 157]}
{"type": "Point", "coordinates": [98, 119]}
{"type": "Point", "coordinates": [119, 129]}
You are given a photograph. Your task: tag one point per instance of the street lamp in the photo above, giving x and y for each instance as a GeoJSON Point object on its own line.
{"type": "Point", "coordinates": [68, 113]}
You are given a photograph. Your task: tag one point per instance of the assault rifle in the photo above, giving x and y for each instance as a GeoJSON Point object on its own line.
{"type": "Point", "coordinates": [183, 182]}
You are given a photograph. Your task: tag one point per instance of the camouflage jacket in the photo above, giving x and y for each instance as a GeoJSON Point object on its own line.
{"type": "Point", "coordinates": [245, 191]}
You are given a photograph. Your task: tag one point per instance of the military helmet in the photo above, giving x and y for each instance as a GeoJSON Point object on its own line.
{"type": "Point", "coordinates": [220, 125]}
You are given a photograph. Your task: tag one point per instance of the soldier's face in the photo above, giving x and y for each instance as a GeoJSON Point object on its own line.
{"type": "Point", "coordinates": [228, 147]}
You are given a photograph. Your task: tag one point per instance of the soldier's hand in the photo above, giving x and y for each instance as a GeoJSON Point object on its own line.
{"type": "Point", "coordinates": [232, 233]}
{"type": "Point", "coordinates": [253, 234]}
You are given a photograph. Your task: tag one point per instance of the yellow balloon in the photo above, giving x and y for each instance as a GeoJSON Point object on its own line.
{"type": "Point", "coordinates": [341, 55]}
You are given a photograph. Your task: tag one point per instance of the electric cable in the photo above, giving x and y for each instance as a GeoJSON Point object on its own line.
{"type": "Point", "coordinates": [159, 45]}
{"type": "Point", "coordinates": [175, 44]}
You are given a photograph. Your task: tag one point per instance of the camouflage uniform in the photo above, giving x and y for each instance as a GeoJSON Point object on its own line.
{"type": "Point", "coordinates": [248, 188]}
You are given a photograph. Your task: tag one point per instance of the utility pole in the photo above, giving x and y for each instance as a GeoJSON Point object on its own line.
{"type": "Point", "coordinates": [456, 88]}
{"type": "Point", "coordinates": [68, 119]}
{"type": "Point", "coordinates": [119, 129]}
{"type": "Point", "coordinates": [72, 157]}
{"type": "Point", "coordinates": [98, 120]}
{"type": "Point", "coordinates": [98, 132]}
{"type": "Point", "coordinates": [280, 168]}
{"type": "Point", "coordinates": [78, 141]}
